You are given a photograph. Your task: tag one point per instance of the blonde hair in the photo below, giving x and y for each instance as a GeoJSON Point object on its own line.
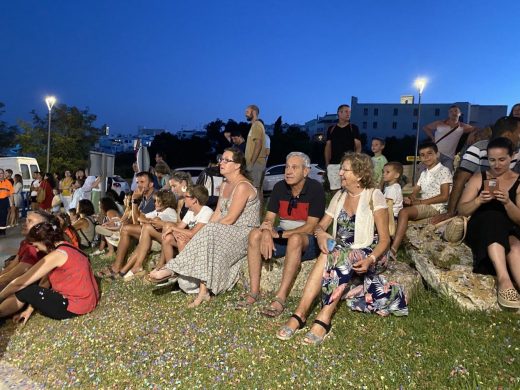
{"type": "Point", "coordinates": [362, 167]}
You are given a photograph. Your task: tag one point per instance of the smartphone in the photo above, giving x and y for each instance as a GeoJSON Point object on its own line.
{"type": "Point", "coordinates": [490, 185]}
{"type": "Point", "coordinates": [331, 244]}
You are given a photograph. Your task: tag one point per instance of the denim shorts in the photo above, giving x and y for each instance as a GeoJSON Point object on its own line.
{"type": "Point", "coordinates": [310, 253]}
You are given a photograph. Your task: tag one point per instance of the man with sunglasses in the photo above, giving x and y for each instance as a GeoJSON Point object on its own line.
{"type": "Point", "coordinates": [299, 202]}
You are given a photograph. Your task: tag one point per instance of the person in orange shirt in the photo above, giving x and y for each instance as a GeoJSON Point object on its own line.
{"type": "Point", "coordinates": [6, 198]}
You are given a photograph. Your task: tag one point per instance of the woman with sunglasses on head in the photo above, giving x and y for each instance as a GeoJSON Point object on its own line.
{"type": "Point", "coordinates": [352, 257]}
{"type": "Point", "coordinates": [213, 256]}
{"type": "Point", "coordinates": [67, 285]}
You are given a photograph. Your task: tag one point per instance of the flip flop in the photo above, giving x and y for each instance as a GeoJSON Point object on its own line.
{"type": "Point", "coordinates": [245, 304]}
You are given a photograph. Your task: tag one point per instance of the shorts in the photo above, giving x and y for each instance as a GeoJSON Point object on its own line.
{"type": "Point", "coordinates": [257, 174]}
{"type": "Point", "coordinates": [310, 253]}
{"type": "Point", "coordinates": [426, 211]}
{"type": "Point", "coordinates": [333, 176]}
{"type": "Point", "coordinates": [48, 302]}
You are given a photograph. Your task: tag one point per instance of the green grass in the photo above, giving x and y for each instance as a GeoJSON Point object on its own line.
{"type": "Point", "coordinates": [137, 339]}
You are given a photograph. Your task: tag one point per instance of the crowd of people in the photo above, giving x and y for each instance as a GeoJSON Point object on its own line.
{"type": "Point", "coordinates": [352, 240]}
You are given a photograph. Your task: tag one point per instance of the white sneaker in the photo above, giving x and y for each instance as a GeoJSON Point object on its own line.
{"type": "Point", "coordinates": [98, 252]}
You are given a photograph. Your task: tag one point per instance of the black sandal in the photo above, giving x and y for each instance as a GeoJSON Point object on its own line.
{"type": "Point", "coordinates": [312, 338]}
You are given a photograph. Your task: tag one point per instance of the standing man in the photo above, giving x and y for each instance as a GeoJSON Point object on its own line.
{"type": "Point", "coordinates": [341, 138]}
{"type": "Point", "coordinates": [6, 199]}
{"type": "Point", "coordinates": [446, 134]}
{"type": "Point", "coordinates": [255, 148]}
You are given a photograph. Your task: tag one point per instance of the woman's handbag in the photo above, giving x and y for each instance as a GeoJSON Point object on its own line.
{"type": "Point", "coordinates": [40, 197]}
{"type": "Point", "coordinates": [391, 219]}
{"type": "Point", "coordinates": [454, 229]}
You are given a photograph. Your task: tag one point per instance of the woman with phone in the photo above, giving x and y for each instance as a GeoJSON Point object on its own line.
{"type": "Point", "coordinates": [491, 199]}
{"type": "Point", "coordinates": [352, 257]}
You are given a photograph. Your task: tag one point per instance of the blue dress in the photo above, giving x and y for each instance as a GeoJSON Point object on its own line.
{"type": "Point", "coordinates": [369, 292]}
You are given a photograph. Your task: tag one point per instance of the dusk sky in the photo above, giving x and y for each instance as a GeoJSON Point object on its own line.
{"type": "Point", "coordinates": [173, 65]}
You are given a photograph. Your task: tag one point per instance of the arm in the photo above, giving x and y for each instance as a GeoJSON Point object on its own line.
{"type": "Point", "coordinates": [256, 151]}
{"type": "Point", "coordinates": [441, 198]}
{"type": "Point", "coordinates": [357, 145]}
{"type": "Point", "coordinates": [13, 273]}
{"type": "Point", "coordinates": [321, 233]}
{"type": "Point", "coordinates": [430, 128]}
{"type": "Point", "coordinates": [470, 200]}
{"type": "Point", "coordinates": [459, 181]}
{"type": "Point", "coordinates": [467, 128]}
{"type": "Point", "coordinates": [381, 221]}
{"type": "Point", "coordinates": [511, 208]}
{"type": "Point", "coordinates": [80, 224]}
{"type": "Point", "coordinates": [413, 196]}
{"type": "Point", "coordinates": [307, 228]}
{"type": "Point", "coordinates": [327, 152]}
{"type": "Point", "coordinates": [238, 203]}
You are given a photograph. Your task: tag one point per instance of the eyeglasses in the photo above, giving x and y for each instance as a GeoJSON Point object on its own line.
{"type": "Point", "coordinates": [221, 159]}
{"type": "Point", "coordinates": [293, 203]}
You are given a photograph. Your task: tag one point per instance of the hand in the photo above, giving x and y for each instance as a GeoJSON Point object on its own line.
{"type": "Point", "coordinates": [267, 243]}
{"type": "Point", "coordinates": [362, 266]}
{"type": "Point", "coordinates": [484, 197]}
{"type": "Point", "coordinates": [138, 193]}
{"type": "Point", "coordinates": [23, 317]}
{"type": "Point", "coordinates": [502, 197]}
{"type": "Point", "coordinates": [322, 238]}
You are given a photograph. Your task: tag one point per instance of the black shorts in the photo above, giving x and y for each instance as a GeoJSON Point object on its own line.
{"type": "Point", "coordinates": [48, 302]}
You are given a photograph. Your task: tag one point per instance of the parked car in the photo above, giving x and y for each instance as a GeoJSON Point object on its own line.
{"type": "Point", "coordinates": [118, 184]}
{"type": "Point", "coordinates": [276, 173]}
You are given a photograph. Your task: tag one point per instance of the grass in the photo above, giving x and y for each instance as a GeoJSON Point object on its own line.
{"type": "Point", "coordinates": [137, 339]}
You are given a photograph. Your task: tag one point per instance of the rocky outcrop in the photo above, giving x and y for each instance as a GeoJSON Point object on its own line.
{"type": "Point", "coordinates": [447, 269]}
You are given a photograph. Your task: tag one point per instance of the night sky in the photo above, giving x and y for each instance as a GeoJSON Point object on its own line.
{"type": "Point", "coordinates": [172, 64]}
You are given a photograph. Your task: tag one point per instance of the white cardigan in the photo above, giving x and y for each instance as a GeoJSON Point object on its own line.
{"type": "Point", "coordinates": [364, 227]}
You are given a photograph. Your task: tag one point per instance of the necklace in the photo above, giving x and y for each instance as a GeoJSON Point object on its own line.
{"type": "Point", "coordinates": [354, 196]}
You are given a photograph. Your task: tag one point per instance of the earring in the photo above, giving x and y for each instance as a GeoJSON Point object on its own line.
{"type": "Point", "coordinates": [184, 188]}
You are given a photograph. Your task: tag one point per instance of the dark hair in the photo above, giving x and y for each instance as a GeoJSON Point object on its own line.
{"type": "Point", "coordinates": [46, 233]}
{"type": "Point", "coordinates": [512, 109]}
{"type": "Point", "coordinates": [167, 198]}
{"type": "Point", "coordinates": [200, 193]}
{"type": "Point", "coordinates": [362, 167]}
{"type": "Point", "coordinates": [502, 143]}
{"type": "Point", "coordinates": [396, 166]}
{"type": "Point", "coordinates": [383, 142]}
{"type": "Point", "coordinates": [107, 203]}
{"type": "Point", "coordinates": [504, 125]}
{"type": "Point", "coordinates": [342, 106]}
{"type": "Point", "coordinates": [66, 224]}
{"type": "Point", "coordinates": [47, 217]}
{"type": "Point", "coordinates": [9, 170]}
{"type": "Point", "coordinates": [18, 178]}
{"type": "Point", "coordinates": [428, 144]}
{"type": "Point", "coordinates": [239, 158]}
{"type": "Point", "coordinates": [454, 106]}
{"type": "Point", "coordinates": [50, 179]}
{"type": "Point", "coordinates": [86, 207]}
{"type": "Point", "coordinates": [147, 174]}
{"type": "Point", "coordinates": [254, 108]}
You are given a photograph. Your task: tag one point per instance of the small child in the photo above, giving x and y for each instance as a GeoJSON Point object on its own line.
{"type": "Point", "coordinates": [434, 186]}
{"type": "Point", "coordinates": [379, 161]}
{"type": "Point", "coordinates": [392, 173]}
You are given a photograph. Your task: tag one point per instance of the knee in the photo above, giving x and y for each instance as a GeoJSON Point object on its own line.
{"type": "Point", "coordinates": [295, 242]}
{"type": "Point", "coordinates": [168, 240]}
{"type": "Point", "coordinates": [254, 237]}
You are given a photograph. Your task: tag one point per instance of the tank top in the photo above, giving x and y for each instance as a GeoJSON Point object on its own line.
{"type": "Point", "coordinates": [495, 204]}
{"type": "Point", "coordinates": [448, 145]}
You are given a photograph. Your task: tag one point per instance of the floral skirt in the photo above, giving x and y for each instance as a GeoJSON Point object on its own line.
{"type": "Point", "coordinates": [370, 292]}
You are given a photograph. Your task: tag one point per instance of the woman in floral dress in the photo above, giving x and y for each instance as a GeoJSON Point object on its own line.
{"type": "Point", "coordinates": [352, 257]}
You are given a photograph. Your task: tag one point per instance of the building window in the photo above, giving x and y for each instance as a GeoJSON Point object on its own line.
{"type": "Point", "coordinates": [374, 125]}
{"type": "Point", "coordinates": [394, 125]}
{"type": "Point", "coordinates": [414, 126]}
{"type": "Point", "coordinates": [396, 111]}
{"type": "Point", "coordinates": [437, 112]}
{"type": "Point", "coordinates": [376, 111]}
{"type": "Point", "coordinates": [364, 125]}
{"type": "Point", "coordinates": [365, 111]}
{"type": "Point", "coordinates": [415, 112]}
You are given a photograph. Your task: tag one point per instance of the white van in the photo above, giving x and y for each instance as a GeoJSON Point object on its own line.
{"type": "Point", "coordinates": [25, 166]}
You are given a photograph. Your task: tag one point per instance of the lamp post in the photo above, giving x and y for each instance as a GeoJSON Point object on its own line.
{"type": "Point", "coordinates": [419, 83]}
{"type": "Point", "coordinates": [50, 101]}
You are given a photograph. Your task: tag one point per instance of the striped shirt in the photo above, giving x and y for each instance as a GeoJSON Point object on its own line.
{"type": "Point", "coordinates": [475, 158]}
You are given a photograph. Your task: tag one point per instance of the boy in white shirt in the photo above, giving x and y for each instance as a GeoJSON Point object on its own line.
{"type": "Point", "coordinates": [392, 173]}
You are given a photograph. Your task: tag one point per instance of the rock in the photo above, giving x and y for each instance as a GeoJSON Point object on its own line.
{"type": "Point", "coordinates": [402, 273]}
{"type": "Point", "coordinates": [447, 268]}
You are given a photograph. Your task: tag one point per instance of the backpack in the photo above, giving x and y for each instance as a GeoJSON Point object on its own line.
{"type": "Point", "coordinates": [212, 180]}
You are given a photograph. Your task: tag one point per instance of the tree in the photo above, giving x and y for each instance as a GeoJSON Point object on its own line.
{"type": "Point", "coordinates": [277, 130]}
{"type": "Point", "coordinates": [72, 137]}
{"type": "Point", "coordinates": [7, 133]}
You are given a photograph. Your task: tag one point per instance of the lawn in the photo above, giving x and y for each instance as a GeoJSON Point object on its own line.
{"type": "Point", "coordinates": [140, 339]}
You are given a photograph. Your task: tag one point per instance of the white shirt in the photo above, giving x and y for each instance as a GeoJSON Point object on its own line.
{"type": "Point", "coordinates": [430, 182]}
{"type": "Point", "coordinates": [395, 193]}
{"type": "Point", "coordinates": [203, 216]}
{"type": "Point", "coordinates": [448, 144]}
{"type": "Point", "coordinates": [168, 215]}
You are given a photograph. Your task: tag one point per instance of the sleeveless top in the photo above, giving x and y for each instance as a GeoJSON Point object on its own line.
{"type": "Point", "coordinates": [448, 145]}
{"type": "Point", "coordinates": [495, 204]}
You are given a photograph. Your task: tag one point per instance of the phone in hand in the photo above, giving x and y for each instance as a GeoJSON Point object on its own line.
{"type": "Point", "coordinates": [491, 185]}
{"type": "Point", "coordinates": [331, 244]}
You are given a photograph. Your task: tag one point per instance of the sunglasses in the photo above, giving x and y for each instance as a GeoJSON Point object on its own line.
{"type": "Point", "coordinates": [293, 203]}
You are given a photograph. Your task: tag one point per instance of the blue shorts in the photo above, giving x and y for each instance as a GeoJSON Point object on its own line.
{"type": "Point", "coordinates": [310, 253]}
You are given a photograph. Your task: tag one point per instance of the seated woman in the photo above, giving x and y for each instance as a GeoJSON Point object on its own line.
{"type": "Point", "coordinates": [85, 225]}
{"type": "Point", "coordinates": [352, 257]}
{"type": "Point", "coordinates": [67, 285]}
{"type": "Point", "coordinates": [178, 235]}
{"type": "Point", "coordinates": [213, 256]}
{"type": "Point", "coordinates": [492, 199]}
{"type": "Point", "coordinates": [180, 182]}
{"type": "Point", "coordinates": [70, 234]}
{"type": "Point", "coordinates": [153, 223]}
{"type": "Point", "coordinates": [111, 222]}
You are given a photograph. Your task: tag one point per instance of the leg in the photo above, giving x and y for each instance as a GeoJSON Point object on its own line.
{"type": "Point", "coordinates": [406, 214]}
{"type": "Point", "coordinates": [513, 259]}
{"type": "Point", "coordinates": [127, 233]}
{"type": "Point", "coordinates": [254, 262]}
{"type": "Point", "coordinates": [145, 243]}
{"type": "Point", "coordinates": [320, 329]}
{"type": "Point", "coordinates": [497, 254]}
{"type": "Point", "coordinates": [203, 296]}
{"type": "Point", "coordinates": [167, 245]}
{"type": "Point", "coordinates": [10, 306]}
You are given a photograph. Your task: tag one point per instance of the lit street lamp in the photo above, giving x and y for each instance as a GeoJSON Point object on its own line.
{"type": "Point", "coordinates": [419, 83]}
{"type": "Point", "coordinates": [50, 100]}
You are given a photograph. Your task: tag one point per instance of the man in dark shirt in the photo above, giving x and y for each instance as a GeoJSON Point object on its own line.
{"type": "Point", "coordinates": [341, 138]}
{"type": "Point", "coordinates": [238, 140]}
{"type": "Point", "coordinates": [300, 203]}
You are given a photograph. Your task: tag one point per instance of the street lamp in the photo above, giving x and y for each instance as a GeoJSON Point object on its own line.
{"type": "Point", "coordinates": [50, 100]}
{"type": "Point", "coordinates": [419, 83]}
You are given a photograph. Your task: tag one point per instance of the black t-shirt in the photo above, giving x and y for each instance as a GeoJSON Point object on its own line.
{"type": "Point", "coordinates": [342, 141]}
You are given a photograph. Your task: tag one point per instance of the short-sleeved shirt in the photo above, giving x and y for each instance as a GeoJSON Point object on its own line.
{"type": "Point", "coordinates": [147, 205]}
{"type": "Point", "coordinates": [342, 141]}
{"type": "Point", "coordinates": [475, 159]}
{"type": "Point", "coordinates": [379, 163]}
{"type": "Point", "coordinates": [395, 193]}
{"type": "Point", "coordinates": [203, 216]}
{"type": "Point", "coordinates": [256, 133]}
{"type": "Point", "coordinates": [430, 182]}
{"type": "Point", "coordinates": [167, 215]}
{"type": "Point", "coordinates": [310, 203]}
{"type": "Point", "coordinates": [6, 189]}
{"type": "Point", "coordinates": [28, 253]}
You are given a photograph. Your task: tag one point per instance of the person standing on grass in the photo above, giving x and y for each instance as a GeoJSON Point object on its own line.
{"type": "Point", "coordinates": [255, 148]}
{"type": "Point", "coordinates": [6, 199]}
{"type": "Point", "coordinates": [67, 287]}
{"type": "Point", "coordinates": [341, 138]}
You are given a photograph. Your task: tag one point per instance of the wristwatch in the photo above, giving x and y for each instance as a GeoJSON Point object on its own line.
{"type": "Point", "coordinates": [280, 233]}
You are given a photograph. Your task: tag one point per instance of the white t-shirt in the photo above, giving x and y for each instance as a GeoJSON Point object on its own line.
{"type": "Point", "coordinates": [430, 182]}
{"type": "Point", "coordinates": [35, 184]}
{"type": "Point", "coordinates": [395, 193]}
{"type": "Point", "coordinates": [168, 215]}
{"type": "Point", "coordinates": [203, 216]}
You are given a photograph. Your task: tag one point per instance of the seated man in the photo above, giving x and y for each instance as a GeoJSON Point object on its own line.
{"type": "Point", "coordinates": [27, 255]}
{"type": "Point", "coordinates": [300, 203]}
{"type": "Point", "coordinates": [142, 203]}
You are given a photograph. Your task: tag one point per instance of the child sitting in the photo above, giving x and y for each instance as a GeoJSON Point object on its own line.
{"type": "Point", "coordinates": [392, 173]}
{"type": "Point", "coordinates": [379, 161]}
{"type": "Point", "coordinates": [434, 185]}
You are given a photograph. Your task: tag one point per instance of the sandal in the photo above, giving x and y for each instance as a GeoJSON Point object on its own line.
{"type": "Point", "coordinates": [245, 303]}
{"type": "Point", "coordinates": [131, 275]}
{"type": "Point", "coordinates": [286, 332]}
{"type": "Point", "coordinates": [314, 339]}
{"type": "Point", "coordinates": [271, 311]}
{"type": "Point", "coordinates": [508, 298]}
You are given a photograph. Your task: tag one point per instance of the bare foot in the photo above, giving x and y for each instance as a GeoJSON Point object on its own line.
{"type": "Point", "coordinates": [199, 300]}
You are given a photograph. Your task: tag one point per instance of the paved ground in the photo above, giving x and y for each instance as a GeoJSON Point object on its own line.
{"type": "Point", "coordinates": [9, 243]}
